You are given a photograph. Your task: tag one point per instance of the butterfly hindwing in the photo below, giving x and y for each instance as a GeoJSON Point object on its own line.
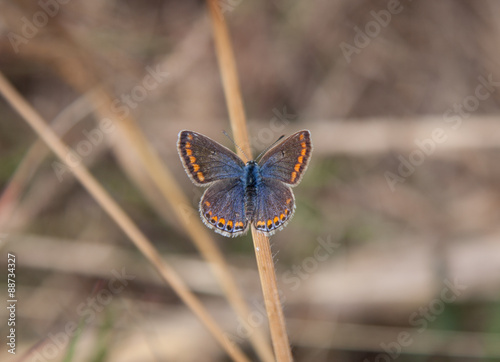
{"type": "Point", "coordinates": [222, 207]}
{"type": "Point", "coordinates": [206, 161]}
{"type": "Point", "coordinates": [288, 160]}
{"type": "Point", "coordinates": [274, 206]}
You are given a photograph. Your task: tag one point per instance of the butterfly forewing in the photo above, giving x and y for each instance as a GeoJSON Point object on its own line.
{"type": "Point", "coordinates": [273, 207]}
{"type": "Point", "coordinates": [206, 161]}
{"type": "Point", "coordinates": [288, 160]}
{"type": "Point", "coordinates": [222, 207]}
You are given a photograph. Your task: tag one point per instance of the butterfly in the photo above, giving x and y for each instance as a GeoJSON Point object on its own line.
{"type": "Point", "coordinates": [239, 193]}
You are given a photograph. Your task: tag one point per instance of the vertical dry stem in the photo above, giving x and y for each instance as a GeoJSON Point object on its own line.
{"type": "Point", "coordinates": [230, 79]}
{"type": "Point", "coordinates": [274, 309]}
{"type": "Point", "coordinates": [261, 242]}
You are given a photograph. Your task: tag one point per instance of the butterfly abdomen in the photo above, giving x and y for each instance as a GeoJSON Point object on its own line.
{"type": "Point", "coordinates": [251, 181]}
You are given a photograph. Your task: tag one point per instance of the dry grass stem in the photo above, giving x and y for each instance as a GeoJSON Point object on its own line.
{"type": "Point", "coordinates": [117, 214]}
{"type": "Point", "coordinates": [262, 247]}
{"type": "Point", "coordinates": [274, 309]}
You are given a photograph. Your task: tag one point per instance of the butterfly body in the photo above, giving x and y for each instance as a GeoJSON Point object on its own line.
{"type": "Point", "coordinates": [239, 193]}
{"type": "Point", "coordinates": [251, 181]}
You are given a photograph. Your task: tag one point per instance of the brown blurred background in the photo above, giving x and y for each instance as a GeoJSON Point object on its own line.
{"type": "Point", "coordinates": [394, 250]}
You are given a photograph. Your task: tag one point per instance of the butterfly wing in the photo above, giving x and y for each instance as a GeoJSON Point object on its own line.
{"type": "Point", "coordinates": [274, 206]}
{"type": "Point", "coordinates": [288, 160]}
{"type": "Point", "coordinates": [222, 207]}
{"type": "Point", "coordinates": [205, 160]}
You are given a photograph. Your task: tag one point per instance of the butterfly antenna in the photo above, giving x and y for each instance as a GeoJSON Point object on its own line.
{"type": "Point", "coordinates": [269, 147]}
{"type": "Point", "coordinates": [234, 143]}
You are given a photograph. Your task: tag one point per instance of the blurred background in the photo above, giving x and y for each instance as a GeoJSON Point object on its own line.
{"type": "Point", "coordinates": [393, 252]}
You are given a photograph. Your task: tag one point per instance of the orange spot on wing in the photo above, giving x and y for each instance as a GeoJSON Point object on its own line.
{"type": "Point", "coordinates": [294, 176]}
{"type": "Point", "coordinates": [300, 159]}
{"type": "Point", "coordinates": [200, 176]}
{"type": "Point", "coordinates": [188, 145]}
{"type": "Point", "coordinates": [190, 136]}
{"type": "Point", "coordinates": [303, 144]}
{"type": "Point", "coordinates": [297, 167]}
{"type": "Point", "coordinates": [195, 167]}
{"type": "Point", "coordinates": [269, 223]}
{"type": "Point", "coordinates": [276, 220]}
{"type": "Point", "coordinates": [192, 159]}
{"type": "Point", "coordinates": [303, 152]}
{"type": "Point", "coordinates": [301, 137]}
{"type": "Point", "coordinates": [238, 226]}
{"type": "Point", "coordinates": [207, 203]}
{"type": "Point", "coordinates": [282, 217]}
{"type": "Point", "coordinates": [229, 225]}
{"type": "Point", "coordinates": [189, 152]}
{"type": "Point", "coordinates": [288, 201]}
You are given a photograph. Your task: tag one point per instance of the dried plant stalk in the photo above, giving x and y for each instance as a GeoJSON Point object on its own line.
{"type": "Point", "coordinates": [274, 309]}
{"type": "Point", "coordinates": [230, 80]}
{"type": "Point", "coordinates": [238, 124]}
